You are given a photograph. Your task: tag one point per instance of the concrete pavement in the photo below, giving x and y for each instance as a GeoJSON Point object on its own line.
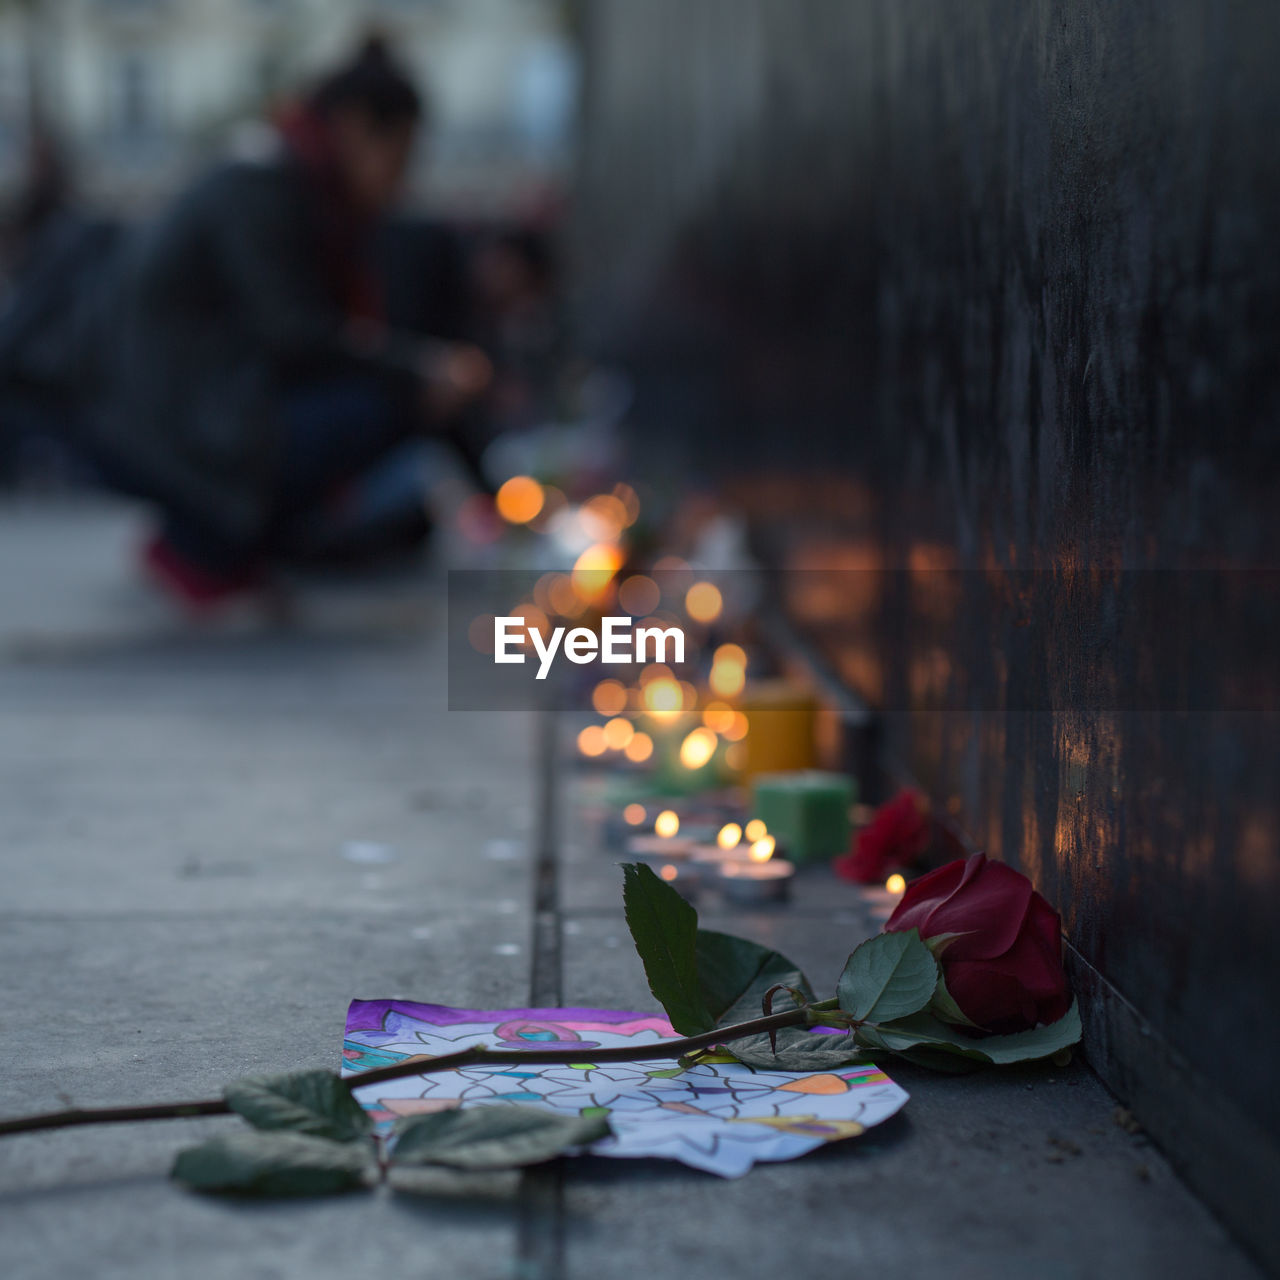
{"type": "Point", "coordinates": [212, 841]}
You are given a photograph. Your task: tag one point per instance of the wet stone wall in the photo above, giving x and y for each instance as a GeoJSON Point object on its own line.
{"type": "Point", "coordinates": [975, 307]}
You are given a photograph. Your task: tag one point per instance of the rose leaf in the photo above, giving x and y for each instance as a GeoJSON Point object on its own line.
{"type": "Point", "coordinates": [944, 1006]}
{"type": "Point", "coordinates": [798, 1050]}
{"type": "Point", "coordinates": [664, 928]}
{"type": "Point", "coordinates": [315, 1102]}
{"type": "Point", "coordinates": [888, 977]}
{"type": "Point", "coordinates": [734, 974]}
{"type": "Point", "coordinates": [274, 1164]}
{"type": "Point", "coordinates": [922, 1031]}
{"type": "Point", "coordinates": [497, 1136]}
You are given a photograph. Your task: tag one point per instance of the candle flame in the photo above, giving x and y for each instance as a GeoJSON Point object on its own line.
{"type": "Point", "coordinates": [756, 830]}
{"type": "Point", "coordinates": [698, 748]}
{"type": "Point", "coordinates": [762, 849]}
{"type": "Point", "coordinates": [729, 836]}
{"type": "Point", "coordinates": [667, 823]}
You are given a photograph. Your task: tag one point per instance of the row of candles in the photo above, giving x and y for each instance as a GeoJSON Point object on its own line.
{"type": "Point", "coordinates": [740, 862]}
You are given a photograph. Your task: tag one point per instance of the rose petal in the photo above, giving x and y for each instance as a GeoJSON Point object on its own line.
{"type": "Point", "coordinates": [923, 895]}
{"type": "Point", "coordinates": [996, 1001]}
{"type": "Point", "coordinates": [988, 907]}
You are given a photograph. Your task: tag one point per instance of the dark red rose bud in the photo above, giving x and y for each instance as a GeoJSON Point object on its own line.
{"type": "Point", "coordinates": [901, 831]}
{"type": "Point", "coordinates": [1003, 967]}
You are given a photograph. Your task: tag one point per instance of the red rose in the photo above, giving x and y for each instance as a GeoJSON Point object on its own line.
{"type": "Point", "coordinates": [899, 833]}
{"type": "Point", "coordinates": [1004, 969]}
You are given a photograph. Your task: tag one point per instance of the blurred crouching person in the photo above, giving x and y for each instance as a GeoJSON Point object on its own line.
{"type": "Point", "coordinates": [242, 369]}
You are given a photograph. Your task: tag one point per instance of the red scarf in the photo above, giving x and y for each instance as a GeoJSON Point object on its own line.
{"type": "Point", "coordinates": [343, 226]}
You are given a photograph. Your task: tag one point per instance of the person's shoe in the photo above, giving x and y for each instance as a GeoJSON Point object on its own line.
{"type": "Point", "coordinates": [197, 590]}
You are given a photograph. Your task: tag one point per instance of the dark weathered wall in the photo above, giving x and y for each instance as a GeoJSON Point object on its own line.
{"type": "Point", "coordinates": [988, 292]}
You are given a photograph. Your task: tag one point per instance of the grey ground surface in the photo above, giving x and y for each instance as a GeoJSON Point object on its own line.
{"type": "Point", "coordinates": [180, 907]}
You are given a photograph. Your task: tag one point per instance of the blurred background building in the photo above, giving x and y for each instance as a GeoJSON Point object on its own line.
{"type": "Point", "coordinates": [137, 93]}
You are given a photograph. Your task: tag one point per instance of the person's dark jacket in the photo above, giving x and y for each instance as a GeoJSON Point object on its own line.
{"type": "Point", "coordinates": [195, 327]}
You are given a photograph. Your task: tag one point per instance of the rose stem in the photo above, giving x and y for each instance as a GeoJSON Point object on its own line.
{"type": "Point", "coordinates": [479, 1056]}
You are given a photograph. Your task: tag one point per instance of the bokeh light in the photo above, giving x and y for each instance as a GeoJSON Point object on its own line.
{"type": "Point", "coordinates": [591, 741]}
{"type": "Point", "coordinates": [634, 814]}
{"type": "Point", "coordinates": [520, 499]}
{"type": "Point", "coordinates": [663, 698]}
{"type": "Point", "coordinates": [618, 734]}
{"type": "Point", "coordinates": [718, 716]}
{"type": "Point", "coordinates": [630, 501]}
{"type": "Point", "coordinates": [727, 679]}
{"type": "Point", "coordinates": [638, 595]}
{"type": "Point", "coordinates": [639, 749]}
{"type": "Point", "coordinates": [603, 518]}
{"type": "Point", "coordinates": [762, 850]}
{"type": "Point", "coordinates": [609, 698]}
{"type": "Point", "coordinates": [755, 830]}
{"type": "Point", "coordinates": [729, 836]}
{"type": "Point", "coordinates": [667, 823]}
{"type": "Point", "coordinates": [697, 748]}
{"type": "Point", "coordinates": [896, 883]}
{"type": "Point", "coordinates": [703, 602]}
{"type": "Point", "coordinates": [480, 633]}
{"type": "Point", "coordinates": [594, 569]}
{"type": "Point", "coordinates": [563, 598]}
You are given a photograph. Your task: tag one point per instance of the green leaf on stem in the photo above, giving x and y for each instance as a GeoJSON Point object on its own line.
{"type": "Point", "coordinates": [702, 979]}
{"type": "Point", "coordinates": [313, 1102]}
{"type": "Point", "coordinates": [275, 1164]}
{"type": "Point", "coordinates": [664, 928]}
{"type": "Point", "coordinates": [798, 1050]}
{"type": "Point", "coordinates": [734, 974]}
{"type": "Point", "coordinates": [497, 1136]}
{"type": "Point", "coordinates": [945, 1007]}
{"type": "Point", "coordinates": [887, 977]}
{"type": "Point", "coordinates": [924, 1036]}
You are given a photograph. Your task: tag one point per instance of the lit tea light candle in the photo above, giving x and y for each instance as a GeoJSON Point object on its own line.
{"type": "Point", "coordinates": [758, 878]}
{"type": "Point", "coordinates": [728, 847]}
{"type": "Point", "coordinates": [665, 842]}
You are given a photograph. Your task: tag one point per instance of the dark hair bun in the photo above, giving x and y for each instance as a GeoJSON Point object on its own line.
{"type": "Point", "coordinates": [374, 48]}
{"type": "Point", "coordinates": [372, 81]}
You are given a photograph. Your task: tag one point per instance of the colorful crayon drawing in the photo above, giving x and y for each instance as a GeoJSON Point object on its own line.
{"type": "Point", "coordinates": [719, 1116]}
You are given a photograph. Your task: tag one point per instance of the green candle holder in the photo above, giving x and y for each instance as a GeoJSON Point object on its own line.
{"type": "Point", "coordinates": [807, 812]}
